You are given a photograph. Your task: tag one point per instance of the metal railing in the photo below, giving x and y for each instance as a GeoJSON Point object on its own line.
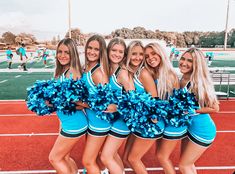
{"type": "Point", "coordinates": [222, 78]}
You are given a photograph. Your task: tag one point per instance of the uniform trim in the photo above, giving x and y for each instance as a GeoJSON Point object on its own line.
{"type": "Point", "coordinates": [95, 68]}
{"type": "Point", "coordinates": [65, 134]}
{"type": "Point", "coordinates": [97, 133]}
{"type": "Point", "coordinates": [89, 79]}
{"type": "Point", "coordinates": [114, 79]}
{"type": "Point", "coordinates": [174, 137]}
{"type": "Point", "coordinates": [138, 83]}
{"type": "Point", "coordinates": [115, 134]}
{"type": "Point", "coordinates": [198, 142]}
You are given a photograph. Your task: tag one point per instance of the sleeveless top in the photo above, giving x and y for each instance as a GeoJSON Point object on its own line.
{"type": "Point", "coordinates": [138, 85]}
{"type": "Point", "coordinates": [87, 77]}
{"type": "Point", "coordinates": [114, 84]}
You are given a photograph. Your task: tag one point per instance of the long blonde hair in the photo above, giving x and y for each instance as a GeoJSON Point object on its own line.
{"type": "Point", "coordinates": [201, 83]}
{"type": "Point", "coordinates": [74, 63]}
{"type": "Point", "coordinates": [129, 53]}
{"type": "Point", "coordinates": [167, 78]}
{"type": "Point", "coordinates": [103, 58]}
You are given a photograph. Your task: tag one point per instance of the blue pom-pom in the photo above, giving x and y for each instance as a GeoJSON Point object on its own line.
{"type": "Point", "coordinates": [139, 111]}
{"type": "Point", "coordinates": [37, 95]}
{"type": "Point", "coordinates": [100, 98]}
{"type": "Point", "coordinates": [68, 92]}
{"type": "Point", "coordinates": [182, 106]}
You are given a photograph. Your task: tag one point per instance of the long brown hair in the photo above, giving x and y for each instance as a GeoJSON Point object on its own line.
{"type": "Point", "coordinates": [74, 64]}
{"type": "Point", "coordinates": [103, 58]}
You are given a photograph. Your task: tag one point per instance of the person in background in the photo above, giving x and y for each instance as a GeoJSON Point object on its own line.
{"type": "Point", "coordinates": [9, 57]}
{"type": "Point", "coordinates": [44, 57]}
{"type": "Point", "coordinates": [202, 131]}
{"type": "Point", "coordinates": [23, 57]}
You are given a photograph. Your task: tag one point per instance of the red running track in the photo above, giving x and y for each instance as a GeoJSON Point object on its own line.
{"type": "Point", "coordinates": [26, 140]}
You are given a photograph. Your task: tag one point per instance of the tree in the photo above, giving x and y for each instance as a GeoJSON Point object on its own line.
{"type": "Point", "coordinates": [8, 38]}
{"type": "Point", "coordinates": [231, 38]}
{"type": "Point", "coordinates": [54, 41]}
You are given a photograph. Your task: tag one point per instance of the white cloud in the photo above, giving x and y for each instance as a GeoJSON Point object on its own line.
{"type": "Point", "coordinates": [104, 16]}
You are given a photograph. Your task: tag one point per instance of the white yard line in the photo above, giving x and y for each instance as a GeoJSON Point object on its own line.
{"type": "Point", "coordinates": [3, 81]}
{"type": "Point", "coordinates": [126, 169]}
{"type": "Point", "coordinates": [31, 134]}
{"type": "Point", "coordinates": [18, 76]}
{"type": "Point", "coordinates": [54, 134]}
{"type": "Point", "coordinates": [22, 115]}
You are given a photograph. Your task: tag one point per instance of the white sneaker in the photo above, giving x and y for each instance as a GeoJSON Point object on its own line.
{"type": "Point", "coordinates": [105, 171]}
{"type": "Point", "coordinates": [20, 67]}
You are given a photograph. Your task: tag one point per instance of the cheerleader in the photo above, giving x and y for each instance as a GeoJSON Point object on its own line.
{"type": "Point", "coordinates": [73, 126]}
{"type": "Point", "coordinates": [96, 72]}
{"type": "Point", "coordinates": [164, 75]}
{"type": "Point", "coordinates": [202, 131]}
{"type": "Point", "coordinates": [143, 82]}
{"type": "Point", "coordinates": [120, 79]}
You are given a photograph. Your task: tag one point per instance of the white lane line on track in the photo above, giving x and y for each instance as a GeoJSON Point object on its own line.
{"type": "Point", "coordinates": [3, 81]}
{"type": "Point", "coordinates": [126, 169]}
{"type": "Point", "coordinates": [226, 131]}
{"type": "Point", "coordinates": [9, 102]}
{"type": "Point", "coordinates": [22, 115]}
{"type": "Point", "coordinates": [31, 134]}
{"type": "Point", "coordinates": [15, 115]}
{"type": "Point", "coordinates": [18, 76]}
{"type": "Point", "coordinates": [55, 134]}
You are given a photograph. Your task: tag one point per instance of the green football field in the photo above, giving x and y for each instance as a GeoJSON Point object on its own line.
{"type": "Point", "coordinates": [215, 63]}
{"type": "Point", "coordinates": [13, 85]}
{"type": "Point", "coordinates": [34, 63]}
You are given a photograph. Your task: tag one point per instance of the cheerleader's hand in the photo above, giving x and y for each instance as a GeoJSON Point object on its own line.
{"type": "Point", "coordinates": [79, 107]}
{"type": "Point", "coordinates": [48, 103]}
{"type": "Point", "coordinates": [111, 109]}
{"type": "Point", "coordinates": [154, 120]}
{"type": "Point", "coordinates": [191, 112]}
{"type": "Point", "coordinates": [82, 104]}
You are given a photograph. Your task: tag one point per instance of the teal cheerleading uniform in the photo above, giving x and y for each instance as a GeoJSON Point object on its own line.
{"type": "Point", "coordinates": [140, 89]}
{"type": "Point", "coordinates": [96, 126]}
{"type": "Point", "coordinates": [119, 128]}
{"type": "Point", "coordinates": [202, 130]}
{"type": "Point", "coordinates": [72, 125]}
{"type": "Point", "coordinates": [175, 133]}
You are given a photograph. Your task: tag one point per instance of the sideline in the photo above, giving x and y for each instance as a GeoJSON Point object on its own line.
{"type": "Point", "coordinates": [126, 169]}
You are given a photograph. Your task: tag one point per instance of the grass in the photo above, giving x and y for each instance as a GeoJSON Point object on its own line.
{"type": "Point", "coordinates": [17, 83]}
{"type": "Point", "coordinates": [224, 88]}
{"type": "Point", "coordinates": [215, 63]}
{"type": "Point", "coordinates": [30, 64]}
{"type": "Point", "coordinates": [15, 87]}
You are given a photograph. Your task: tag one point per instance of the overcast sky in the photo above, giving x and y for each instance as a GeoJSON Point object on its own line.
{"type": "Point", "coordinates": [48, 18]}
